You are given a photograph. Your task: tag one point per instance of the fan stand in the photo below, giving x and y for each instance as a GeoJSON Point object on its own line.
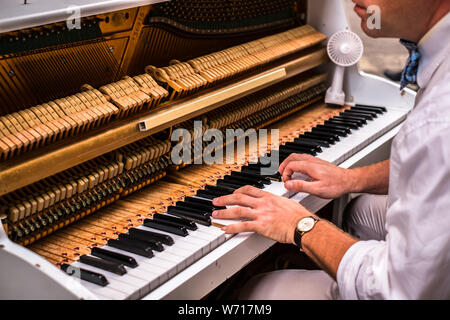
{"type": "Point", "coordinates": [335, 95]}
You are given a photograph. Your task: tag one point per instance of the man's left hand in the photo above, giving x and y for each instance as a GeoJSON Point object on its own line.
{"type": "Point", "coordinates": [269, 215]}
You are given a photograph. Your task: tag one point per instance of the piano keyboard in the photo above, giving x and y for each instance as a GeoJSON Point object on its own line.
{"type": "Point", "coordinates": [149, 255]}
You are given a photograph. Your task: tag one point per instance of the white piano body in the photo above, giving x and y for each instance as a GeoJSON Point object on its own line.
{"type": "Point", "coordinates": [24, 274]}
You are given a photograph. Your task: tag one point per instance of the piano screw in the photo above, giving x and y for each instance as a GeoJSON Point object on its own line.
{"type": "Point", "coordinates": [76, 254]}
{"type": "Point", "coordinates": [111, 49]}
{"type": "Point", "coordinates": [64, 254]}
{"type": "Point", "coordinates": [11, 73]}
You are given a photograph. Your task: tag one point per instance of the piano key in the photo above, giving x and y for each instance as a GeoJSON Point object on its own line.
{"type": "Point", "coordinates": [220, 183]}
{"type": "Point", "coordinates": [351, 124]}
{"type": "Point", "coordinates": [382, 109]}
{"type": "Point", "coordinates": [352, 117]}
{"type": "Point", "coordinates": [85, 275]}
{"type": "Point", "coordinates": [162, 225]}
{"type": "Point", "coordinates": [204, 202]}
{"type": "Point", "coordinates": [151, 236]}
{"type": "Point", "coordinates": [129, 284]}
{"type": "Point", "coordinates": [343, 127]}
{"type": "Point", "coordinates": [329, 132]}
{"type": "Point", "coordinates": [219, 190]}
{"type": "Point", "coordinates": [244, 181]}
{"type": "Point", "coordinates": [106, 265]}
{"type": "Point", "coordinates": [366, 116]}
{"type": "Point", "coordinates": [321, 142]}
{"type": "Point", "coordinates": [340, 133]}
{"type": "Point", "coordinates": [306, 144]}
{"type": "Point", "coordinates": [195, 206]}
{"type": "Point", "coordinates": [250, 176]}
{"type": "Point", "coordinates": [164, 267]}
{"type": "Point", "coordinates": [366, 109]}
{"type": "Point", "coordinates": [106, 292]}
{"type": "Point", "coordinates": [154, 245]}
{"type": "Point", "coordinates": [275, 176]}
{"type": "Point", "coordinates": [131, 247]}
{"type": "Point", "coordinates": [203, 218]}
{"type": "Point", "coordinates": [293, 148]}
{"type": "Point", "coordinates": [327, 138]}
{"type": "Point", "coordinates": [359, 110]}
{"type": "Point", "coordinates": [114, 256]}
{"type": "Point", "coordinates": [179, 221]}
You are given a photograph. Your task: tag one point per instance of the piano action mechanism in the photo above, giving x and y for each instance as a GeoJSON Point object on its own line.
{"type": "Point", "coordinates": [87, 182]}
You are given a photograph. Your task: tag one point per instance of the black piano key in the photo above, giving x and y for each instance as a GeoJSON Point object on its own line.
{"type": "Point", "coordinates": [348, 124]}
{"type": "Point", "coordinates": [340, 133]}
{"type": "Point", "coordinates": [190, 225]}
{"type": "Point", "coordinates": [154, 245]}
{"type": "Point", "coordinates": [163, 226]}
{"type": "Point", "coordinates": [321, 142]}
{"type": "Point", "coordinates": [228, 185]}
{"type": "Point", "coordinates": [352, 117]}
{"type": "Point", "coordinates": [257, 177]}
{"type": "Point", "coordinates": [318, 135]}
{"type": "Point", "coordinates": [356, 121]}
{"type": "Point", "coordinates": [151, 236]}
{"type": "Point", "coordinates": [294, 144]}
{"type": "Point", "coordinates": [288, 150]}
{"type": "Point", "coordinates": [258, 165]}
{"type": "Point", "coordinates": [220, 191]}
{"type": "Point", "coordinates": [131, 246]}
{"type": "Point", "coordinates": [86, 275]}
{"type": "Point", "coordinates": [359, 114]}
{"type": "Point", "coordinates": [203, 202]}
{"type": "Point", "coordinates": [275, 176]}
{"type": "Point", "coordinates": [379, 110]}
{"type": "Point", "coordinates": [294, 148]}
{"type": "Point", "coordinates": [114, 257]}
{"type": "Point", "coordinates": [373, 113]}
{"type": "Point", "coordinates": [206, 195]}
{"type": "Point", "coordinates": [203, 219]}
{"type": "Point", "coordinates": [312, 145]}
{"type": "Point", "coordinates": [244, 180]}
{"type": "Point", "coordinates": [345, 128]}
{"type": "Point", "coordinates": [103, 264]}
{"type": "Point", "coordinates": [194, 206]}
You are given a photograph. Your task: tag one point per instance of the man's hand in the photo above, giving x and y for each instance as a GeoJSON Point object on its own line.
{"type": "Point", "coordinates": [326, 180]}
{"type": "Point", "coordinates": [269, 215]}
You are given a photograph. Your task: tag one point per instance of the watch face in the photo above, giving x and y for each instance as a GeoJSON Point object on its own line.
{"type": "Point", "coordinates": [306, 224]}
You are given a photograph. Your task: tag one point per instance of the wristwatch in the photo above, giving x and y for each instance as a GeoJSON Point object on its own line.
{"type": "Point", "coordinates": [303, 226]}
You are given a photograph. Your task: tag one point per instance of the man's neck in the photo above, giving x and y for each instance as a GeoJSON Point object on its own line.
{"type": "Point", "coordinates": [441, 12]}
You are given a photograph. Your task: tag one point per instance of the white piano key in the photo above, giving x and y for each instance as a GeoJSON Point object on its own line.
{"type": "Point", "coordinates": [106, 293]}
{"type": "Point", "coordinates": [126, 283]}
{"type": "Point", "coordinates": [151, 264]}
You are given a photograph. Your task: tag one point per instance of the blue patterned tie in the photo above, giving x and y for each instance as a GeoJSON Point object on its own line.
{"type": "Point", "coordinates": [409, 74]}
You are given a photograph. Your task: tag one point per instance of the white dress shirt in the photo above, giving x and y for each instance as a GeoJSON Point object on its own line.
{"type": "Point", "coordinates": [414, 260]}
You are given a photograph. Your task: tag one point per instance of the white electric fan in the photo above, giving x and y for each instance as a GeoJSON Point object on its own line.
{"type": "Point", "coordinates": [345, 49]}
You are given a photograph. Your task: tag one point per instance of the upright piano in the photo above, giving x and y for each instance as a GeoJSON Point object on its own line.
{"type": "Point", "coordinates": [92, 203]}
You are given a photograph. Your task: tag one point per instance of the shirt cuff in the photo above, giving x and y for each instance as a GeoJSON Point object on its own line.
{"type": "Point", "coordinates": [349, 268]}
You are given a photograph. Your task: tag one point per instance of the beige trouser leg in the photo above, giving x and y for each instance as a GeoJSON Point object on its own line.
{"type": "Point", "coordinates": [364, 218]}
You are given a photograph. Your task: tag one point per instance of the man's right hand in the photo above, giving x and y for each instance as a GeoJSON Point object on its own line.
{"type": "Point", "coordinates": [325, 179]}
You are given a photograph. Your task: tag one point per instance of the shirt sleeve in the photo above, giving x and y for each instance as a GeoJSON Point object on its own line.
{"type": "Point", "coordinates": [414, 260]}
